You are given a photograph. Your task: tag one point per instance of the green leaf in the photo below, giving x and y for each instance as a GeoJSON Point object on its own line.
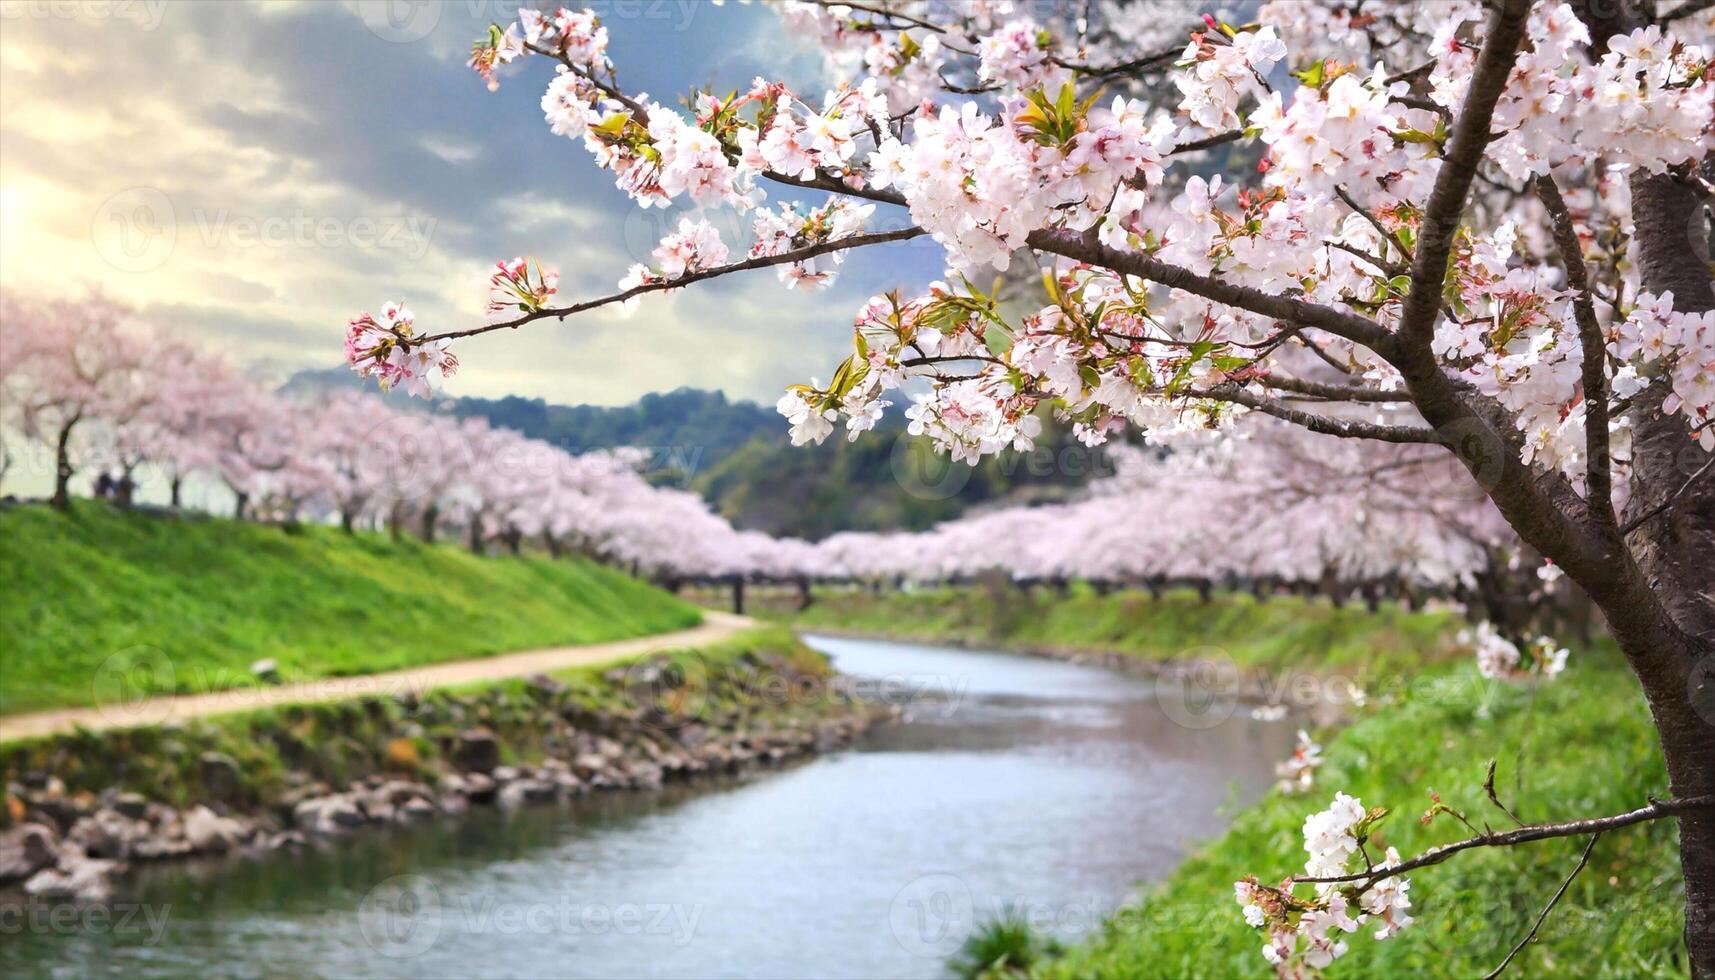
{"type": "Point", "coordinates": [1313, 75]}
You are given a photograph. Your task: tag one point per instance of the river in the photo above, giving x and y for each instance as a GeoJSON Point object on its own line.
{"type": "Point", "coordinates": [1039, 788]}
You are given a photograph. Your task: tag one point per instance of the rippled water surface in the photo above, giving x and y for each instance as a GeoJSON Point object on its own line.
{"type": "Point", "coordinates": [1012, 784]}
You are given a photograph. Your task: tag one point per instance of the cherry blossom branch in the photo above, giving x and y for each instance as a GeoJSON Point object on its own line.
{"type": "Point", "coordinates": [1656, 810]}
{"type": "Point", "coordinates": [1598, 479]}
{"type": "Point", "coordinates": [1453, 182]}
{"type": "Point", "coordinates": [824, 181]}
{"type": "Point", "coordinates": [1559, 893]}
{"type": "Point", "coordinates": [1331, 392]}
{"type": "Point", "coordinates": [1208, 142]}
{"type": "Point", "coordinates": [1086, 248]}
{"type": "Point", "coordinates": [1231, 391]}
{"type": "Point", "coordinates": [759, 262]}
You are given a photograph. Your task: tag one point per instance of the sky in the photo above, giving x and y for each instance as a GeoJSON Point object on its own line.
{"type": "Point", "coordinates": [251, 175]}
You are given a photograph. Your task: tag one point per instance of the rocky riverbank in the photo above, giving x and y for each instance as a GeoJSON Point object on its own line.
{"type": "Point", "coordinates": [80, 811]}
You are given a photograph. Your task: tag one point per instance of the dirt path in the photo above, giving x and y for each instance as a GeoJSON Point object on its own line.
{"type": "Point", "coordinates": [178, 708]}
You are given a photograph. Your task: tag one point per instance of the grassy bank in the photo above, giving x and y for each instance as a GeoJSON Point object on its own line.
{"type": "Point", "coordinates": [1284, 631]}
{"type": "Point", "coordinates": [1581, 746]}
{"type": "Point", "coordinates": [213, 596]}
{"type": "Point", "coordinates": [723, 686]}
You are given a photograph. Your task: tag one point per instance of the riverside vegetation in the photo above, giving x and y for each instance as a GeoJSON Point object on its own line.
{"type": "Point", "coordinates": [79, 808]}
{"type": "Point", "coordinates": [1581, 745]}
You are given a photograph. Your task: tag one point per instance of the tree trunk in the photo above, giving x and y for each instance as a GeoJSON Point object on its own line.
{"type": "Point", "coordinates": [738, 596]}
{"type": "Point", "coordinates": [173, 489]}
{"type": "Point", "coordinates": [1674, 542]}
{"type": "Point", "coordinates": [552, 544]}
{"type": "Point", "coordinates": [62, 466]}
{"type": "Point", "coordinates": [431, 517]}
{"type": "Point", "coordinates": [395, 522]}
{"type": "Point", "coordinates": [346, 522]}
{"type": "Point", "coordinates": [475, 535]}
{"type": "Point", "coordinates": [804, 596]}
{"type": "Point", "coordinates": [240, 505]}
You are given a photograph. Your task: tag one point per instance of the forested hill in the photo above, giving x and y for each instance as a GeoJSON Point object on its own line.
{"type": "Point", "coordinates": [737, 454]}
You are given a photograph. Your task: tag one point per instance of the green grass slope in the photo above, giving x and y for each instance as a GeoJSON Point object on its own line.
{"type": "Point", "coordinates": [212, 596]}
{"type": "Point", "coordinates": [1580, 746]}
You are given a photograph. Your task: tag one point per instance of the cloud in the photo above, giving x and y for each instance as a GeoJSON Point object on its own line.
{"type": "Point", "coordinates": [253, 175]}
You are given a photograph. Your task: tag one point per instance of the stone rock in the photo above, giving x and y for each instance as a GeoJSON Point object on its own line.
{"type": "Point", "coordinates": [284, 840]}
{"type": "Point", "coordinates": [523, 791]}
{"type": "Point", "coordinates": [544, 684]}
{"type": "Point", "coordinates": [506, 774]}
{"type": "Point", "coordinates": [478, 751]}
{"type": "Point", "coordinates": [399, 791]}
{"type": "Point", "coordinates": [25, 850]}
{"type": "Point", "coordinates": [107, 834]}
{"type": "Point", "coordinates": [131, 805]}
{"type": "Point", "coordinates": [209, 833]}
{"type": "Point", "coordinates": [51, 804]}
{"type": "Point", "coordinates": [76, 878]}
{"type": "Point", "coordinates": [221, 779]}
{"type": "Point", "coordinates": [160, 848]}
{"type": "Point", "coordinates": [415, 810]}
{"type": "Point", "coordinates": [479, 788]}
{"type": "Point", "coordinates": [327, 815]}
{"type": "Point", "coordinates": [266, 670]}
{"type": "Point", "coordinates": [589, 765]}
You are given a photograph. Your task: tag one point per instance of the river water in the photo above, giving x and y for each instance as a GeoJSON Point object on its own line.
{"type": "Point", "coordinates": [1035, 788]}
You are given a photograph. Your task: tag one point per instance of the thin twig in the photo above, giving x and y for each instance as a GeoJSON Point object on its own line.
{"type": "Point", "coordinates": [1583, 859]}
{"type": "Point", "coordinates": [1489, 788]}
{"type": "Point", "coordinates": [1672, 498]}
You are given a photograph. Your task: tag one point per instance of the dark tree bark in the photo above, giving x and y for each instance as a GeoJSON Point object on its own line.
{"type": "Point", "coordinates": [62, 464]}
{"type": "Point", "coordinates": [431, 519]}
{"type": "Point", "coordinates": [1670, 515]}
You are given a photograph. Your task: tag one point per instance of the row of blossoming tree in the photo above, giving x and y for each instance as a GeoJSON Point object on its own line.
{"type": "Point", "coordinates": [95, 391]}
{"type": "Point", "coordinates": [92, 390]}
{"type": "Point", "coordinates": [1477, 227]}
